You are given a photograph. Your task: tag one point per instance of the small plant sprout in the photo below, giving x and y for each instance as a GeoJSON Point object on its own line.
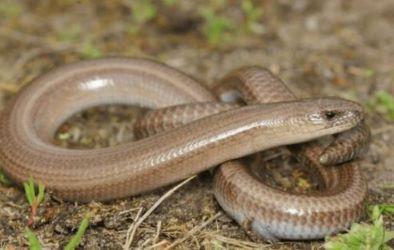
{"type": "Point", "coordinates": [142, 12]}
{"type": "Point", "coordinates": [253, 15]}
{"type": "Point", "coordinates": [76, 239]}
{"type": "Point", "coordinates": [34, 243]}
{"type": "Point", "coordinates": [215, 26]}
{"type": "Point", "coordinates": [364, 236]}
{"type": "Point", "coordinates": [383, 208]}
{"type": "Point", "coordinates": [33, 198]}
{"type": "Point", "coordinates": [89, 50]}
{"type": "Point", "coordinates": [383, 102]}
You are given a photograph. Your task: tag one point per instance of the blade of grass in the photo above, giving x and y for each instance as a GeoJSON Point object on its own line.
{"type": "Point", "coordinates": [31, 185]}
{"type": "Point", "coordinates": [28, 193]}
{"type": "Point", "coordinates": [386, 208]}
{"type": "Point", "coordinates": [34, 243]}
{"type": "Point", "coordinates": [76, 239]}
{"type": "Point", "coordinates": [41, 192]}
{"type": "Point", "coordinates": [33, 198]}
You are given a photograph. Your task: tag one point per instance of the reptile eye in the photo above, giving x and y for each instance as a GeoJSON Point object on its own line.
{"type": "Point", "coordinates": [329, 115]}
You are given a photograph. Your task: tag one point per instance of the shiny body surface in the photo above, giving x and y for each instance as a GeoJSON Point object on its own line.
{"type": "Point", "coordinates": [31, 119]}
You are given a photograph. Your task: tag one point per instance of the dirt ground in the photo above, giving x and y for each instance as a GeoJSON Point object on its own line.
{"type": "Point", "coordinates": [319, 48]}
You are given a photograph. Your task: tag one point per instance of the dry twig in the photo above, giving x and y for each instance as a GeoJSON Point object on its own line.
{"type": "Point", "coordinates": [133, 227]}
{"type": "Point", "coordinates": [214, 237]}
{"type": "Point", "coordinates": [194, 230]}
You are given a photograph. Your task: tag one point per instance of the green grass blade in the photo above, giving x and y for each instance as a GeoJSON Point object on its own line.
{"type": "Point", "coordinates": [34, 243]}
{"type": "Point", "coordinates": [76, 239]}
{"type": "Point", "coordinates": [28, 193]}
{"type": "Point", "coordinates": [386, 208]}
{"type": "Point", "coordinates": [41, 192]}
{"type": "Point", "coordinates": [31, 185]}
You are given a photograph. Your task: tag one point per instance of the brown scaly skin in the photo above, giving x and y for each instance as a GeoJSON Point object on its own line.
{"type": "Point", "coordinates": [295, 216]}
{"type": "Point", "coordinates": [257, 85]}
{"type": "Point", "coordinates": [30, 120]}
{"type": "Point", "coordinates": [347, 145]}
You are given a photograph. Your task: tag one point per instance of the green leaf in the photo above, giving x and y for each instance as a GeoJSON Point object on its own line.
{"type": "Point", "coordinates": [383, 208]}
{"type": "Point", "coordinates": [28, 193]}
{"type": "Point", "coordinates": [253, 15]}
{"type": "Point", "coordinates": [215, 26]}
{"type": "Point", "coordinates": [363, 236]}
{"type": "Point", "coordinates": [76, 239]}
{"type": "Point", "coordinates": [375, 213]}
{"type": "Point", "coordinates": [90, 51]}
{"type": "Point", "coordinates": [31, 187]}
{"type": "Point", "coordinates": [382, 102]}
{"type": "Point", "coordinates": [143, 11]}
{"type": "Point", "coordinates": [387, 208]}
{"type": "Point", "coordinates": [388, 236]}
{"type": "Point", "coordinates": [34, 243]}
{"type": "Point", "coordinates": [41, 192]}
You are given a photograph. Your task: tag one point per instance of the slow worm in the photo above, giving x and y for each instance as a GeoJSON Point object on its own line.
{"type": "Point", "coordinates": [28, 124]}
